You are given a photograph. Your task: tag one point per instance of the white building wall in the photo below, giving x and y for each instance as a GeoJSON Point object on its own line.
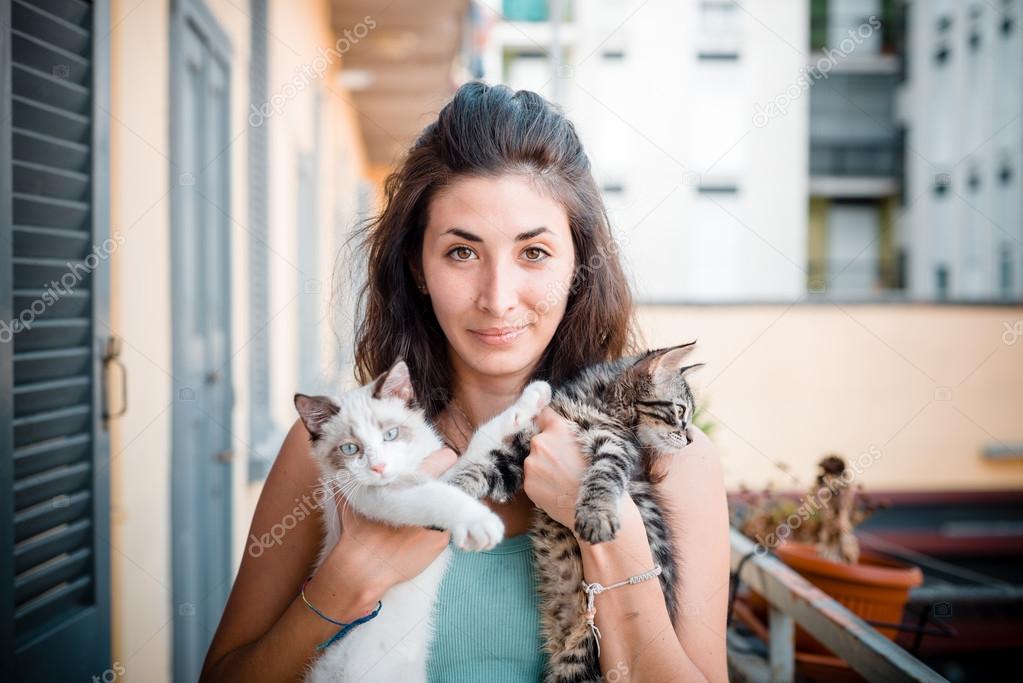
{"type": "Point", "coordinates": [660, 123]}
{"type": "Point", "coordinates": [964, 131]}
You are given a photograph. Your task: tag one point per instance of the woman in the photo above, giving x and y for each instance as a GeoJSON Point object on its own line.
{"type": "Point", "coordinates": [480, 274]}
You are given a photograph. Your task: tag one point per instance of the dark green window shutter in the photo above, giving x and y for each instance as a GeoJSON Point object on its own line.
{"type": "Point", "coordinates": [54, 252]}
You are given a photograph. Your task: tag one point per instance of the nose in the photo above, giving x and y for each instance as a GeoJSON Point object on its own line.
{"type": "Point", "coordinates": [378, 468]}
{"type": "Point", "coordinates": [499, 291]}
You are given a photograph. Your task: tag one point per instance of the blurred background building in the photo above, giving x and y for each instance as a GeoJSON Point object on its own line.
{"type": "Point", "coordinates": [827, 194]}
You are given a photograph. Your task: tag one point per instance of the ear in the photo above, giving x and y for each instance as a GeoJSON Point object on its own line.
{"type": "Point", "coordinates": [395, 383]}
{"type": "Point", "coordinates": [662, 364]}
{"type": "Point", "coordinates": [315, 410]}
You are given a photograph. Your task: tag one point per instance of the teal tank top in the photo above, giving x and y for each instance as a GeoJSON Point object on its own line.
{"type": "Point", "coordinates": [487, 617]}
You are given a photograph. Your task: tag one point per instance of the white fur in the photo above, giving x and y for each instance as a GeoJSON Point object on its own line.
{"type": "Point", "coordinates": [489, 435]}
{"type": "Point", "coordinates": [394, 645]}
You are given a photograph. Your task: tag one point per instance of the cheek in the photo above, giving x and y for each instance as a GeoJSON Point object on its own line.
{"type": "Point", "coordinates": [649, 433]}
{"type": "Point", "coordinates": [344, 469]}
{"type": "Point", "coordinates": [335, 460]}
{"type": "Point", "coordinates": [548, 298]}
{"type": "Point", "coordinates": [450, 295]}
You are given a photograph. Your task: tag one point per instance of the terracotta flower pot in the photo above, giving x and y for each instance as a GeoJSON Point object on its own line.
{"type": "Point", "coordinates": [875, 589]}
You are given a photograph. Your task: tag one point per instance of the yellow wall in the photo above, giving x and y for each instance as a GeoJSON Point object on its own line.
{"type": "Point", "coordinates": [817, 247]}
{"type": "Point", "coordinates": [140, 271]}
{"type": "Point", "coordinates": [928, 386]}
{"type": "Point", "coordinates": [141, 315]}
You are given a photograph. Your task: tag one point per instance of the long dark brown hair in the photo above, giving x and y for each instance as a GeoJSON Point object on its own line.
{"type": "Point", "coordinates": [487, 130]}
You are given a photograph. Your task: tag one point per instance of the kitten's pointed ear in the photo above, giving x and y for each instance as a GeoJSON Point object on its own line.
{"type": "Point", "coordinates": [315, 410]}
{"type": "Point", "coordinates": [686, 368]}
{"type": "Point", "coordinates": [662, 364]}
{"type": "Point", "coordinates": [395, 383]}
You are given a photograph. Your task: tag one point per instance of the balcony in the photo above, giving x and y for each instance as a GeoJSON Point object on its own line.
{"type": "Point", "coordinates": [793, 600]}
{"type": "Point", "coordinates": [855, 159]}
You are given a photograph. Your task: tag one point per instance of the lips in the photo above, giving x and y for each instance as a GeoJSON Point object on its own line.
{"type": "Point", "coordinates": [497, 331]}
{"type": "Point", "coordinates": [499, 336]}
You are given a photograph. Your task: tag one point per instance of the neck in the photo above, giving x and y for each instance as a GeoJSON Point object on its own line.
{"type": "Point", "coordinates": [484, 396]}
{"type": "Point", "coordinates": [483, 401]}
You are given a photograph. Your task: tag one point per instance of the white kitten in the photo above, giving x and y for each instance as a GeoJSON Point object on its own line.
{"type": "Point", "coordinates": [369, 442]}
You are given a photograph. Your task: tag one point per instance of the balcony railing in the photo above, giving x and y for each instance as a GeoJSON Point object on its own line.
{"type": "Point", "coordinates": [880, 159]}
{"type": "Point", "coordinates": [794, 600]}
{"type": "Point", "coordinates": [867, 276]}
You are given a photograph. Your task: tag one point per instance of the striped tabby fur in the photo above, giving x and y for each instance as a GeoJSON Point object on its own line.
{"type": "Point", "coordinates": [626, 413]}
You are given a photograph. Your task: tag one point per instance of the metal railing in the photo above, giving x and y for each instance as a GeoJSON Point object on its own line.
{"type": "Point", "coordinates": [794, 600]}
{"type": "Point", "coordinates": [869, 159]}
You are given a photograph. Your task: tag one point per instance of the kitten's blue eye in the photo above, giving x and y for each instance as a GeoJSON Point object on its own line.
{"type": "Point", "coordinates": [349, 448]}
{"type": "Point", "coordinates": [391, 434]}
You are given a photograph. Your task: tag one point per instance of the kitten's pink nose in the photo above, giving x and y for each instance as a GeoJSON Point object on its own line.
{"type": "Point", "coordinates": [379, 469]}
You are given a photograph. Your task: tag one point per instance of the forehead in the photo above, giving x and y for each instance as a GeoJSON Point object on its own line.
{"type": "Point", "coordinates": [358, 409]}
{"type": "Point", "coordinates": [496, 209]}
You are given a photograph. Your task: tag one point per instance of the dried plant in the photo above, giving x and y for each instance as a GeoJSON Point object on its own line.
{"type": "Point", "coordinates": [826, 516]}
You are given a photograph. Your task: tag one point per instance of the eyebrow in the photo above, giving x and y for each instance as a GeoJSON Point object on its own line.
{"type": "Point", "coordinates": [469, 237]}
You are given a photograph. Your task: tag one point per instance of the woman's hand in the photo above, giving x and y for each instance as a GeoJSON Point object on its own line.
{"type": "Point", "coordinates": [554, 468]}
{"type": "Point", "coordinates": [377, 555]}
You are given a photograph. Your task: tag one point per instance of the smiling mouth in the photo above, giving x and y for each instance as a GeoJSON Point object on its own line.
{"type": "Point", "coordinates": [499, 336]}
{"type": "Point", "coordinates": [498, 331]}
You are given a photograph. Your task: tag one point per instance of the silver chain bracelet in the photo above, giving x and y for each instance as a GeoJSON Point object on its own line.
{"type": "Point", "coordinates": [592, 589]}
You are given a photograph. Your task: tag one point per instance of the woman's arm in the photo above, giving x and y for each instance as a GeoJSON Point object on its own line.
{"type": "Point", "coordinates": [637, 637]}
{"type": "Point", "coordinates": [266, 631]}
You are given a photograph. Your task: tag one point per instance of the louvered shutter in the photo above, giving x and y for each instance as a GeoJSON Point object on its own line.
{"type": "Point", "coordinates": [53, 544]}
{"type": "Point", "coordinates": [261, 433]}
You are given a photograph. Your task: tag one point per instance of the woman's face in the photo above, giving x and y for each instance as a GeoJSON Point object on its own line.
{"type": "Point", "coordinates": [497, 255]}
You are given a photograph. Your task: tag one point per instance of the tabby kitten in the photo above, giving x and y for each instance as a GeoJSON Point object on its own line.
{"type": "Point", "coordinates": [627, 414]}
{"type": "Point", "coordinates": [369, 444]}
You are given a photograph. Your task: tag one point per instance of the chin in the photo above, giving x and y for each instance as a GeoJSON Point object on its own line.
{"type": "Point", "coordinates": [504, 363]}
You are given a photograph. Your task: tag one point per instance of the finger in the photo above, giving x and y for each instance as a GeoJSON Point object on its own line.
{"type": "Point", "coordinates": [547, 417]}
{"type": "Point", "coordinates": [536, 443]}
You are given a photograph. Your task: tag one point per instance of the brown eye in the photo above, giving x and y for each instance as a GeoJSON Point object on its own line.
{"type": "Point", "coordinates": [542, 255]}
{"type": "Point", "coordinates": [461, 250]}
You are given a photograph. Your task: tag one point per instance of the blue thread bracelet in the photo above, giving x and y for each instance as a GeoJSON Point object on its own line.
{"type": "Point", "coordinates": [345, 628]}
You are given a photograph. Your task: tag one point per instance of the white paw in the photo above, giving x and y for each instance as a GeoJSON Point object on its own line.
{"type": "Point", "coordinates": [480, 532]}
{"type": "Point", "coordinates": [534, 398]}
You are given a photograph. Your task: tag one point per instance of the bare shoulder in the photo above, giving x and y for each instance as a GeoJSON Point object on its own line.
{"type": "Point", "coordinates": [696, 471]}
{"type": "Point", "coordinates": [282, 544]}
{"type": "Point", "coordinates": [694, 491]}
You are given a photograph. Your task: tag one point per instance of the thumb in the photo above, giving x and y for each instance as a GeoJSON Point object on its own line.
{"type": "Point", "coordinates": [438, 462]}
{"type": "Point", "coordinates": [546, 418]}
